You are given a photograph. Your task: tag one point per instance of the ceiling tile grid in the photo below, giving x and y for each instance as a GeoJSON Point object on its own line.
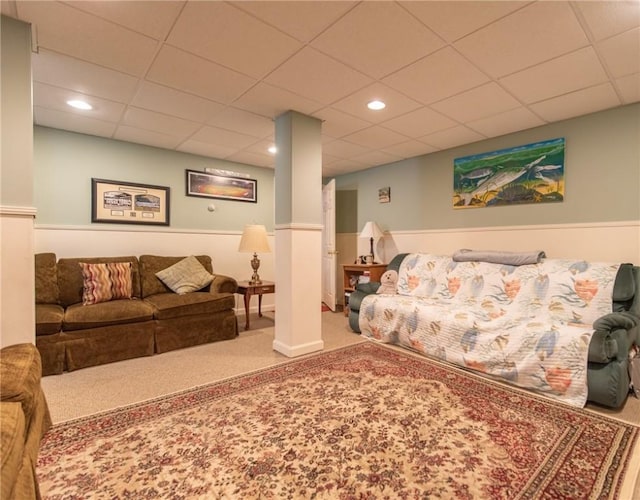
{"type": "Point", "coordinates": [210, 77]}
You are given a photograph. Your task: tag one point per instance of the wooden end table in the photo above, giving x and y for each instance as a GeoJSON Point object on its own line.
{"type": "Point", "coordinates": [248, 289]}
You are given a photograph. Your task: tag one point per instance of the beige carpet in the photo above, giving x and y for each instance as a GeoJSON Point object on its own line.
{"type": "Point", "coordinates": [97, 389]}
{"type": "Point", "coordinates": [362, 421]}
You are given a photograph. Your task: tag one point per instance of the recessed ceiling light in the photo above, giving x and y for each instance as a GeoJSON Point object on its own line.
{"type": "Point", "coordinates": [376, 105]}
{"type": "Point", "coordinates": [79, 104]}
{"type": "Point", "coordinates": [272, 150]}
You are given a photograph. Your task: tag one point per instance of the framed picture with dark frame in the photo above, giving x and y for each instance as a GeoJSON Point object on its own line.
{"type": "Point", "coordinates": [206, 185]}
{"type": "Point", "coordinates": [129, 203]}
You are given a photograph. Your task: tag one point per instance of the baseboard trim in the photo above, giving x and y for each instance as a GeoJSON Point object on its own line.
{"type": "Point", "coordinates": [298, 350]}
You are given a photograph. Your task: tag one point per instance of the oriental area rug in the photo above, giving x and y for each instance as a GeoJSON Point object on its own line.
{"type": "Point", "coordinates": [360, 422]}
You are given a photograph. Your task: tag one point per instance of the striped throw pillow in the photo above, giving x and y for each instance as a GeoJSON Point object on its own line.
{"type": "Point", "coordinates": [105, 282]}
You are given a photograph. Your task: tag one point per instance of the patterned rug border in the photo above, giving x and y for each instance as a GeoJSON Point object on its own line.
{"type": "Point", "coordinates": [619, 477]}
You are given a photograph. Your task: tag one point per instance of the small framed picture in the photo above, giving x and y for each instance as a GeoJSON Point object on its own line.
{"type": "Point", "coordinates": [129, 203]}
{"type": "Point", "coordinates": [384, 195]}
{"type": "Point", "coordinates": [205, 185]}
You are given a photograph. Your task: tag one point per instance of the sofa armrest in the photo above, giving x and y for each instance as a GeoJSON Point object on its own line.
{"type": "Point", "coordinates": [223, 284]}
{"type": "Point", "coordinates": [367, 288]}
{"type": "Point", "coordinates": [613, 336]}
{"type": "Point", "coordinates": [355, 299]}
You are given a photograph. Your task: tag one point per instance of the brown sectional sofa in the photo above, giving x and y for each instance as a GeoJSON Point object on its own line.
{"type": "Point", "coordinates": [24, 418]}
{"type": "Point", "coordinates": [70, 335]}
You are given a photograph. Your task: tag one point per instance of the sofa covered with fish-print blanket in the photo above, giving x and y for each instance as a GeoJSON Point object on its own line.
{"type": "Point", "coordinates": [562, 328]}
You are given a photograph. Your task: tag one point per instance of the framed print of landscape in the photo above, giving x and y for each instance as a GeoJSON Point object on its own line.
{"type": "Point", "coordinates": [129, 203]}
{"type": "Point", "coordinates": [205, 185]}
{"type": "Point", "coordinates": [532, 173]}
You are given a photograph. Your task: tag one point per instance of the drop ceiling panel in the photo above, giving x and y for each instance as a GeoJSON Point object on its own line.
{"type": "Point", "coordinates": [503, 123]}
{"type": "Point", "coordinates": [574, 71]}
{"type": "Point", "coordinates": [622, 53]}
{"type": "Point", "coordinates": [302, 20]}
{"type": "Point", "coordinates": [409, 149]}
{"type": "Point", "coordinates": [316, 76]}
{"type": "Point", "coordinates": [534, 34]}
{"type": "Point", "coordinates": [420, 122]}
{"type": "Point", "coordinates": [452, 137]}
{"type": "Point", "coordinates": [453, 20]}
{"type": "Point", "coordinates": [567, 106]}
{"type": "Point", "coordinates": [70, 31]}
{"type": "Point", "coordinates": [181, 70]}
{"type": "Point", "coordinates": [148, 137]}
{"type": "Point", "coordinates": [252, 159]}
{"type": "Point", "coordinates": [228, 36]}
{"type": "Point", "coordinates": [221, 137]}
{"type": "Point", "coordinates": [206, 149]}
{"type": "Point", "coordinates": [396, 103]}
{"type": "Point", "coordinates": [338, 124]}
{"type": "Point", "coordinates": [262, 147]}
{"type": "Point", "coordinates": [481, 102]}
{"type": "Point", "coordinates": [267, 100]}
{"type": "Point", "coordinates": [437, 76]}
{"type": "Point", "coordinates": [629, 87]}
{"type": "Point", "coordinates": [74, 123]}
{"type": "Point", "coordinates": [48, 96]}
{"type": "Point", "coordinates": [610, 18]}
{"type": "Point", "coordinates": [158, 122]}
{"type": "Point", "coordinates": [377, 38]}
{"type": "Point", "coordinates": [373, 158]}
{"type": "Point", "coordinates": [90, 79]}
{"type": "Point", "coordinates": [342, 149]}
{"type": "Point", "coordinates": [169, 101]}
{"type": "Point", "coordinates": [495, 66]}
{"type": "Point", "coordinates": [376, 137]}
{"type": "Point", "coordinates": [135, 15]}
{"type": "Point", "coordinates": [244, 122]}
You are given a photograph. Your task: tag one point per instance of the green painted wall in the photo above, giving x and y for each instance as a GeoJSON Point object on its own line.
{"type": "Point", "coordinates": [602, 174]}
{"type": "Point", "coordinates": [16, 179]}
{"type": "Point", "coordinates": [65, 162]}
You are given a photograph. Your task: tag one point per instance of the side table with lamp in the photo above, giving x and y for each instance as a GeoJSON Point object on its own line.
{"type": "Point", "coordinates": [254, 240]}
{"type": "Point", "coordinates": [370, 270]}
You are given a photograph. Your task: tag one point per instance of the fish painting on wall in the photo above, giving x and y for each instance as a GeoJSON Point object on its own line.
{"type": "Point", "coordinates": [532, 173]}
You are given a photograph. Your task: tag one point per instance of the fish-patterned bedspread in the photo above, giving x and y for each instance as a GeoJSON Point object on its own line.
{"type": "Point", "coordinates": [530, 325]}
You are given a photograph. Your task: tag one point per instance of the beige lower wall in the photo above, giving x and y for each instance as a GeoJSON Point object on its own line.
{"type": "Point", "coordinates": [17, 285]}
{"type": "Point", "coordinates": [81, 241]}
{"type": "Point", "coordinates": [605, 242]}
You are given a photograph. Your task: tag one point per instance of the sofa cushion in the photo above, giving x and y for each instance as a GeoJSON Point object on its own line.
{"type": "Point", "coordinates": [105, 282]}
{"type": "Point", "coordinates": [171, 305]}
{"type": "Point", "coordinates": [185, 276]}
{"type": "Point", "coordinates": [46, 278]}
{"type": "Point", "coordinates": [71, 283]}
{"type": "Point", "coordinates": [152, 264]}
{"type": "Point", "coordinates": [115, 312]}
{"type": "Point", "coordinates": [48, 319]}
{"type": "Point", "coordinates": [12, 436]}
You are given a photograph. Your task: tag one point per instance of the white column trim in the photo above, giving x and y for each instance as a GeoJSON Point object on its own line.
{"type": "Point", "coordinates": [299, 226]}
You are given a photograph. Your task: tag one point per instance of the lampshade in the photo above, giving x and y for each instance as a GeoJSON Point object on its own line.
{"type": "Point", "coordinates": [254, 239]}
{"type": "Point", "coordinates": [371, 230]}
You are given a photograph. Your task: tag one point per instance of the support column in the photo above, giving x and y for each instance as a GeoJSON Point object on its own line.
{"type": "Point", "coordinates": [298, 235]}
{"type": "Point", "coordinates": [17, 285]}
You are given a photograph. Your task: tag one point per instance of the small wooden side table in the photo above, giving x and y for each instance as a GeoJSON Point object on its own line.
{"type": "Point", "coordinates": [351, 274]}
{"type": "Point", "coordinates": [248, 289]}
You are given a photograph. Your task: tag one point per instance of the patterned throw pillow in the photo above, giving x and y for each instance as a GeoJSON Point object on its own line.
{"type": "Point", "coordinates": [105, 282]}
{"type": "Point", "coordinates": [185, 276]}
